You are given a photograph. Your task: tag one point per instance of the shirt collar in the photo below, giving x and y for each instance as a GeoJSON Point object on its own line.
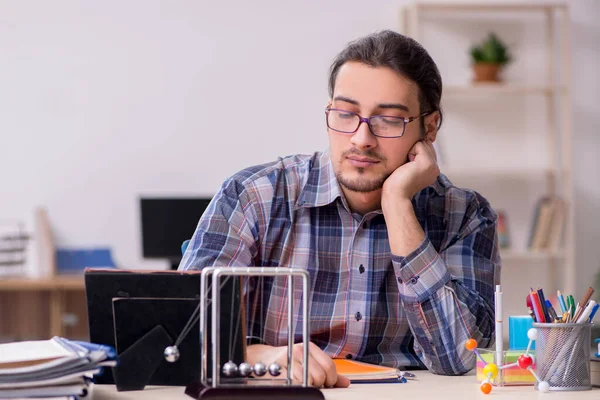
{"type": "Point", "coordinates": [321, 187]}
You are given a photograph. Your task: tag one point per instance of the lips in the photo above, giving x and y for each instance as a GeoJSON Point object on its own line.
{"type": "Point", "coordinates": [362, 162]}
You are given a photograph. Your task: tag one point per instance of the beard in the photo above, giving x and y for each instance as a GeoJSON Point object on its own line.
{"type": "Point", "coordinates": [361, 185]}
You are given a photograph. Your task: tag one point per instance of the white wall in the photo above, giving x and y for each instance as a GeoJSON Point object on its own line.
{"type": "Point", "coordinates": [101, 102]}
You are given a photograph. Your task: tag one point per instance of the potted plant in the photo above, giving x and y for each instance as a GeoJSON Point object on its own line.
{"type": "Point", "coordinates": [488, 59]}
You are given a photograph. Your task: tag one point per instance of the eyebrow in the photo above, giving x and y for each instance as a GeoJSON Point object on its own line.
{"type": "Point", "coordinates": [396, 106]}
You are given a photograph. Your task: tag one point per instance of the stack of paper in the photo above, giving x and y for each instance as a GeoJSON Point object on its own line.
{"type": "Point", "coordinates": [51, 368]}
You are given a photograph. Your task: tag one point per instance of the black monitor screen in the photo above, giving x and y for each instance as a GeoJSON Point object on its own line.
{"type": "Point", "coordinates": [167, 223]}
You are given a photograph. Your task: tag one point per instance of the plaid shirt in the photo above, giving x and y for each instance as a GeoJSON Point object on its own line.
{"type": "Point", "coordinates": [365, 302]}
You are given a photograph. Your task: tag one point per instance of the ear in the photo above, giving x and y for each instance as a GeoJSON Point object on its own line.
{"type": "Point", "coordinates": [432, 122]}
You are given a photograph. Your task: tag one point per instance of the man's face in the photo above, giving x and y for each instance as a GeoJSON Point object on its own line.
{"type": "Point", "coordinates": [361, 161]}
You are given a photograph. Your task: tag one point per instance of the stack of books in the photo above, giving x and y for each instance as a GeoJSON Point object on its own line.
{"type": "Point", "coordinates": [51, 368]}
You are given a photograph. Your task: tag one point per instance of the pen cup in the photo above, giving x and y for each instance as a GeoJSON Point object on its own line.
{"type": "Point", "coordinates": [508, 376]}
{"type": "Point", "coordinates": [563, 355]}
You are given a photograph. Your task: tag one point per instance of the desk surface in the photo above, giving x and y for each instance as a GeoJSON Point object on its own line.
{"type": "Point", "coordinates": [427, 386]}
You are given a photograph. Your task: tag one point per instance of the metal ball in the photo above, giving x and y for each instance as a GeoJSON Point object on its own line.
{"type": "Point", "coordinates": [274, 369]}
{"type": "Point", "coordinates": [245, 369]}
{"type": "Point", "coordinates": [260, 369]}
{"type": "Point", "coordinates": [171, 354]}
{"type": "Point", "coordinates": [230, 369]}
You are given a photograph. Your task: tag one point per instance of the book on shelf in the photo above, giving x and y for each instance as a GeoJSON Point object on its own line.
{"type": "Point", "coordinates": [547, 225]}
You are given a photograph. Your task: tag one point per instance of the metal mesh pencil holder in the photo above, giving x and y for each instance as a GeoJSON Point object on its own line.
{"type": "Point", "coordinates": [563, 355]}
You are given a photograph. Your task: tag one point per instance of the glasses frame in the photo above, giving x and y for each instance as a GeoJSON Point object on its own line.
{"type": "Point", "coordinates": [362, 119]}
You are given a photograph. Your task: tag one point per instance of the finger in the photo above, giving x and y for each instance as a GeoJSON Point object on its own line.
{"type": "Point", "coordinates": [425, 148]}
{"type": "Point", "coordinates": [296, 373]}
{"type": "Point", "coordinates": [342, 382]}
{"type": "Point", "coordinates": [317, 373]}
{"type": "Point", "coordinates": [325, 363]}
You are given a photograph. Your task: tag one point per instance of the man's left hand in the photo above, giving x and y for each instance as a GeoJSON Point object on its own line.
{"type": "Point", "coordinates": [420, 171]}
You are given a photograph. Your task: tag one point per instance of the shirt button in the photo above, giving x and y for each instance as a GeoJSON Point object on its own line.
{"type": "Point", "coordinates": [400, 280]}
{"type": "Point", "coordinates": [358, 316]}
{"type": "Point", "coordinates": [414, 280]}
{"type": "Point", "coordinates": [361, 269]}
{"type": "Point", "coordinates": [349, 356]}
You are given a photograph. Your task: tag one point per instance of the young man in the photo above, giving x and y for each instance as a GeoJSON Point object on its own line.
{"type": "Point", "coordinates": [402, 264]}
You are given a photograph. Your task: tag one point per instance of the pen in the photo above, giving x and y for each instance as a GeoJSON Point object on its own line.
{"type": "Point", "coordinates": [544, 305]}
{"type": "Point", "coordinates": [571, 305]}
{"type": "Point", "coordinates": [561, 302]}
{"type": "Point", "coordinates": [585, 314]}
{"type": "Point", "coordinates": [536, 309]}
{"type": "Point", "coordinates": [551, 312]}
{"type": "Point", "coordinates": [498, 312]}
{"type": "Point", "coordinates": [584, 301]}
{"type": "Point", "coordinates": [594, 312]}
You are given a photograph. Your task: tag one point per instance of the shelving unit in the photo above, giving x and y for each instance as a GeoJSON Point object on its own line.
{"type": "Point", "coordinates": [552, 96]}
{"type": "Point", "coordinates": [40, 308]}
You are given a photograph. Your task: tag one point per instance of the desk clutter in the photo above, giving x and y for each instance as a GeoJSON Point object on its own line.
{"type": "Point", "coordinates": [51, 368]}
{"type": "Point", "coordinates": [562, 354]}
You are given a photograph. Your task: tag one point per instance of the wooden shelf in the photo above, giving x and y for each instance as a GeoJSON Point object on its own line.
{"type": "Point", "coordinates": [56, 283]}
{"type": "Point", "coordinates": [480, 89]}
{"type": "Point", "coordinates": [553, 92]}
{"type": "Point", "coordinates": [524, 174]}
{"type": "Point", "coordinates": [490, 6]}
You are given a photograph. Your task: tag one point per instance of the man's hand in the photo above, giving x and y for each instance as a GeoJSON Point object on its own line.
{"type": "Point", "coordinates": [420, 171]}
{"type": "Point", "coordinates": [404, 231]}
{"type": "Point", "coordinates": [321, 368]}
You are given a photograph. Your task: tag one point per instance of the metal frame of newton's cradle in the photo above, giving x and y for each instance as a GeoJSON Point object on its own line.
{"type": "Point", "coordinates": [244, 388]}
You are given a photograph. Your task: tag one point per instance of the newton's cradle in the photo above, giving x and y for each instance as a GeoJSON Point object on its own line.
{"type": "Point", "coordinates": [228, 379]}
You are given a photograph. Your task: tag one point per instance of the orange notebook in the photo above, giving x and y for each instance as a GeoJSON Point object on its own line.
{"type": "Point", "coordinates": [360, 372]}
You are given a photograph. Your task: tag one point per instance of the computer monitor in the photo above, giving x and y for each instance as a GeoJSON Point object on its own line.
{"type": "Point", "coordinates": [167, 223]}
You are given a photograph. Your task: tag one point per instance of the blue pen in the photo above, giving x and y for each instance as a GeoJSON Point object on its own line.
{"type": "Point", "coordinates": [593, 312]}
{"type": "Point", "coordinates": [561, 302]}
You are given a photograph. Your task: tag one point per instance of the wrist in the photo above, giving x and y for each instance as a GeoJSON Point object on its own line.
{"type": "Point", "coordinates": [392, 205]}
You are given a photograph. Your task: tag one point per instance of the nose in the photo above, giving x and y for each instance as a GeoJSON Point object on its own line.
{"type": "Point", "coordinates": [363, 138]}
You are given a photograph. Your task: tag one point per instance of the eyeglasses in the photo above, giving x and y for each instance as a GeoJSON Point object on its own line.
{"type": "Point", "coordinates": [385, 126]}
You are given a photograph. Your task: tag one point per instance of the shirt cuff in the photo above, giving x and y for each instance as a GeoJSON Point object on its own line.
{"type": "Point", "coordinates": [421, 273]}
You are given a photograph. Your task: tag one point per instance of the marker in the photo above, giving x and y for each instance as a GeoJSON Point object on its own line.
{"type": "Point", "coordinates": [585, 314]}
{"type": "Point", "coordinates": [593, 314]}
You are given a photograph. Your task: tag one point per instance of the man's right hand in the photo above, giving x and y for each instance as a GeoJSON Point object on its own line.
{"type": "Point", "coordinates": [321, 368]}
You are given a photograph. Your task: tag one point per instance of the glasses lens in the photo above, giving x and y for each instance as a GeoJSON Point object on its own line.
{"type": "Point", "coordinates": [387, 126]}
{"type": "Point", "coordinates": [342, 121]}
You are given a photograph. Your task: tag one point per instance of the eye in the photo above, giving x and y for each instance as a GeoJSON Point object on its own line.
{"type": "Point", "coordinates": [345, 115]}
{"type": "Point", "coordinates": [392, 121]}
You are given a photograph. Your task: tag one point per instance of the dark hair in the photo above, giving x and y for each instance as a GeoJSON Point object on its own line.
{"type": "Point", "coordinates": [402, 54]}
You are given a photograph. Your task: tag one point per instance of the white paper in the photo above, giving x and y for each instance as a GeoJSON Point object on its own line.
{"type": "Point", "coordinates": [31, 351]}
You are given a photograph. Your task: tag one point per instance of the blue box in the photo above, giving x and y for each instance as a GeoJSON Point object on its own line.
{"type": "Point", "coordinates": [518, 325]}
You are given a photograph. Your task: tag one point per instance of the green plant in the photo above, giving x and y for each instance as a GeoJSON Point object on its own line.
{"type": "Point", "coordinates": [491, 51]}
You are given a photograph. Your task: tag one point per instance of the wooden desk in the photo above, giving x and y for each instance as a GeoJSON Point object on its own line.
{"type": "Point", "coordinates": [427, 386]}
